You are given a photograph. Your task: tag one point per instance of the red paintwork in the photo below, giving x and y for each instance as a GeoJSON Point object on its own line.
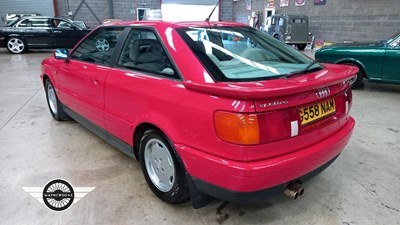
{"type": "Point", "coordinates": [119, 100]}
{"type": "Point", "coordinates": [258, 175]}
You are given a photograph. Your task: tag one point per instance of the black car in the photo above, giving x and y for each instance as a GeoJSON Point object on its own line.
{"type": "Point", "coordinates": [39, 33]}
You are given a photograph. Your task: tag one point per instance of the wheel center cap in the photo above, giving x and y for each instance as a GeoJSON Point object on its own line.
{"type": "Point", "coordinates": [158, 165]}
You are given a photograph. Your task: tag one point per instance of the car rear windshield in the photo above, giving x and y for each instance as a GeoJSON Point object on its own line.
{"type": "Point", "coordinates": [244, 53]}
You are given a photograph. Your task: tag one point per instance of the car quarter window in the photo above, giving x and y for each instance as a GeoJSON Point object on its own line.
{"type": "Point", "coordinates": [143, 51]}
{"type": "Point", "coordinates": [35, 23]}
{"type": "Point", "coordinates": [99, 46]}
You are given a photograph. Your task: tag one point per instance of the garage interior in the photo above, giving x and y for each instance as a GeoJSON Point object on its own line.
{"type": "Point", "coordinates": [361, 186]}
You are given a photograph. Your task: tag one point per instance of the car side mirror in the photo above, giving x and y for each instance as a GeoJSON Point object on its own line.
{"type": "Point", "coordinates": [61, 53]}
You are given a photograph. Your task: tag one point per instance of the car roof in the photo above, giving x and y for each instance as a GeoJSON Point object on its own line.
{"type": "Point", "coordinates": [38, 17]}
{"type": "Point", "coordinates": [290, 15]}
{"type": "Point", "coordinates": [185, 24]}
{"type": "Point", "coordinates": [45, 17]}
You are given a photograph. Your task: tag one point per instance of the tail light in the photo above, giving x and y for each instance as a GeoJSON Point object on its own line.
{"type": "Point", "coordinates": [250, 129]}
{"type": "Point", "coordinates": [237, 128]}
{"type": "Point", "coordinates": [276, 125]}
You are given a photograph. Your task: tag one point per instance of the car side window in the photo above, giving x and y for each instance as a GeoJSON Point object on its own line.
{"type": "Point", "coordinates": [273, 21]}
{"type": "Point", "coordinates": [61, 24]}
{"type": "Point", "coordinates": [281, 21]}
{"type": "Point", "coordinates": [35, 23]}
{"type": "Point", "coordinates": [99, 46]}
{"type": "Point", "coordinates": [24, 23]}
{"type": "Point", "coordinates": [298, 20]}
{"type": "Point", "coordinates": [143, 51]}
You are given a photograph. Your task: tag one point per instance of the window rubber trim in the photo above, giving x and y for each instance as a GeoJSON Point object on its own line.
{"type": "Point", "coordinates": [213, 69]}
{"type": "Point", "coordinates": [177, 77]}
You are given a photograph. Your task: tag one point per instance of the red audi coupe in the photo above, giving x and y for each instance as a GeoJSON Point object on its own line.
{"type": "Point", "coordinates": [210, 109]}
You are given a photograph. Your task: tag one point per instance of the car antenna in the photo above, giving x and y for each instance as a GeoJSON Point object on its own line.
{"type": "Point", "coordinates": [208, 18]}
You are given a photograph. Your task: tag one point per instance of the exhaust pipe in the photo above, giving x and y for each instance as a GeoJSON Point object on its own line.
{"type": "Point", "coordinates": [293, 190]}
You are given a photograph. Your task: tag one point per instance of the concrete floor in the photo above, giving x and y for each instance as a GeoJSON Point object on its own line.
{"type": "Point", "coordinates": [361, 187]}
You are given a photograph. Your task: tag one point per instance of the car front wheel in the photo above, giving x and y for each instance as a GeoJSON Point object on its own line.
{"type": "Point", "coordinates": [162, 168]}
{"type": "Point", "coordinates": [16, 45]}
{"type": "Point", "coordinates": [55, 106]}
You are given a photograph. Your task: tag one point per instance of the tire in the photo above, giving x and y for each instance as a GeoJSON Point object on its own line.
{"type": "Point", "coordinates": [55, 106]}
{"type": "Point", "coordinates": [301, 47]}
{"type": "Point", "coordinates": [277, 37]}
{"type": "Point", "coordinates": [357, 81]}
{"type": "Point", "coordinates": [162, 168]}
{"type": "Point", "coordinates": [16, 45]}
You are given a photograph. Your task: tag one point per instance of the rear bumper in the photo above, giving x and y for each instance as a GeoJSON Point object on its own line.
{"type": "Point", "coordinates": [258, 180]}
{"type": "Point", "coordinates": [252, 197]}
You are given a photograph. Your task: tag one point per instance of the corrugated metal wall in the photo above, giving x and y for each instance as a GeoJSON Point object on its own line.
{"type": "Point", "coordinates": [44, 7]}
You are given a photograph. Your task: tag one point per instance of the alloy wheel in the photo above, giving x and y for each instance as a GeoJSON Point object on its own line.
{"type": "Point", "coordinates": [102, 45]}
{"type": "Point", "coordinates": [159, 165]}
{"type": "Point", "coordinates": [16, 45]}
{"type": "Point", "coordinates": [52, 99]}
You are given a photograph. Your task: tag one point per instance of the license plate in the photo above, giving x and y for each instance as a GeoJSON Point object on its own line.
{"type": "Point", "coordinates": [315, 112]}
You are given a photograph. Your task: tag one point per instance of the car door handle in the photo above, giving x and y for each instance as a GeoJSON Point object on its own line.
{"type": "Point", "coordinates": [57, 32]}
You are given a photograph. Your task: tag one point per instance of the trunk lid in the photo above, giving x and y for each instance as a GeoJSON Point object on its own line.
{"type": "Point", "coordinates": [284, 108]}
{"type": "Point", "coordinates": [280, 87]}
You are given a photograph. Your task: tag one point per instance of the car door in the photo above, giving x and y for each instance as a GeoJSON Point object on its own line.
{"type": "Point", "coordinates": [390, 71]}
{"type": "Point", "coordinates": [36, 32]}
{"type": "Point", "coordinates": [65, 34]}
{"type": "Point", "coordinates": [81, 85]}
{"type": "Point", "coordinates": [142, 70]}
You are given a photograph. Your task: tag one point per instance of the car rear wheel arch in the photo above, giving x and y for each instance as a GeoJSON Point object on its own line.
{"type": "Point", "coordinates": [354, 62]}
{"type": "Point", "coordinates": [138, 134]}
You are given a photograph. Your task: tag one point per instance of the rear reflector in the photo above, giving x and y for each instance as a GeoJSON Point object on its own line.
{"type": "Point", "coordinates": [295, 128]}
